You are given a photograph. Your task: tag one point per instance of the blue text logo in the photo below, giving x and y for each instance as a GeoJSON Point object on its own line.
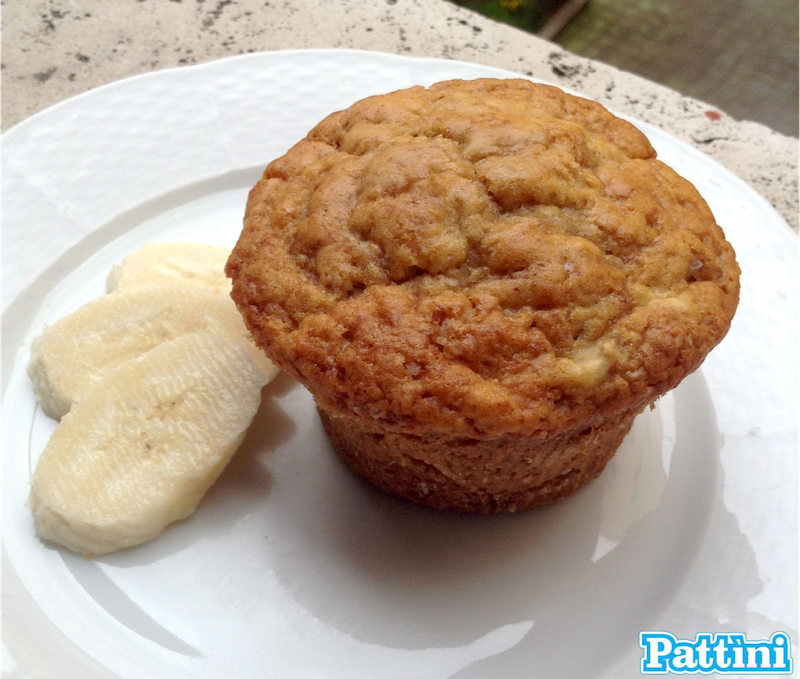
{"type": "Point", "coordinates": [722, 653]}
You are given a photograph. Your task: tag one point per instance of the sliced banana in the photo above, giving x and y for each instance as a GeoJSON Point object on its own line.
{"type": "Point", "coordinates": [73, 353]}
{"type": "Point", "coordinates": [145, 444]}
{"type": "Point", "coordinates": [193, 264]}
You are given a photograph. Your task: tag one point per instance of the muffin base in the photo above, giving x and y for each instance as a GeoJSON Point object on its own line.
{"type": "Point", "coordinates": [488, 476]}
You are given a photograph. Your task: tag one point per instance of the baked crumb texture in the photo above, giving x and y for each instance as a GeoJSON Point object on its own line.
{"type": "Point", "coordinates": [481, 283]}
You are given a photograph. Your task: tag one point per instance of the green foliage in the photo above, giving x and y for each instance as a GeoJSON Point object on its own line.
{"type": "Point", "coordinates": [529, 15]}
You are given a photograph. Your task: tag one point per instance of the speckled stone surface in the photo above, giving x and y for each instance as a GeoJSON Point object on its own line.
{"type": "Point", "coordinates": [54, 49]}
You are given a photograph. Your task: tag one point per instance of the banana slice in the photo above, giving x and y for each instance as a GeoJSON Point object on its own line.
{"type": "Point", "coordinates": [77, 350]}
{"type": "Point", "coordinates": [193, 264]}
{"type": "Point", "coordinates": [145, 444]}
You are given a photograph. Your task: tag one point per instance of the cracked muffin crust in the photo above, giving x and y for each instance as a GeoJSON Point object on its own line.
{"type": "Point", "coordinates": [479, 266]}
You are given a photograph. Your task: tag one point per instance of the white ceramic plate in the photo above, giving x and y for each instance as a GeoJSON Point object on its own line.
{"type": "Point", "coordinates": [291, 566]}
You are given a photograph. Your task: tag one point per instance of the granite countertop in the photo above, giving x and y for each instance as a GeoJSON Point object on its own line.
{"type": "Point", "coordinates": [55, 49]}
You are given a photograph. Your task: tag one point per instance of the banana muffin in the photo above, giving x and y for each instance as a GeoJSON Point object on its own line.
{"type": "Point", "coordinates": [481, 283]}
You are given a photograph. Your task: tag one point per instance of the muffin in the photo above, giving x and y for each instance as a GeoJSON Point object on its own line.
{"type": "Point", "coordinates": [481, 283]}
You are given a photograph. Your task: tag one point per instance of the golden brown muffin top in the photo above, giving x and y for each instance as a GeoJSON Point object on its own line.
{"type": "Point", "coordinates": [481, 257]}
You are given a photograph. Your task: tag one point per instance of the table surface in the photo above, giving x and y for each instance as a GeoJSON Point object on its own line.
{"type": "Point", "coordinates": [55, 49]}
